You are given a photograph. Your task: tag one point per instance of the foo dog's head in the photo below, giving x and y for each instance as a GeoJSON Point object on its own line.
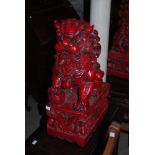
{"type": "Point", "coordinates": [77, 37]}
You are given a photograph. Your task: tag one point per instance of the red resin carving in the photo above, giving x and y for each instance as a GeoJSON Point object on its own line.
{"type": "Point", "coordinates": [78, 96]}
{"type": "Point", "coordinates": [118, 57]}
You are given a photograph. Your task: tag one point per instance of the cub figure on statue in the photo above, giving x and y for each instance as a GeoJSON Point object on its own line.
{"type": "Point", "coordinates": [76, 73]}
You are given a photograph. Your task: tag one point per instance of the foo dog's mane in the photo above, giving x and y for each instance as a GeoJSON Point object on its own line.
{"type": "Point", "coordinates": [78, 37]}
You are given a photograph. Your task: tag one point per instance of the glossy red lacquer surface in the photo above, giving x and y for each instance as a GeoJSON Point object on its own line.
{"type": "Point", "coordinates": [77, 96]}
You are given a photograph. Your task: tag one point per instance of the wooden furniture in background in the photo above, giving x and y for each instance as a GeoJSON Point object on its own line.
{"type": "Point", "coordinates": [113, 133]}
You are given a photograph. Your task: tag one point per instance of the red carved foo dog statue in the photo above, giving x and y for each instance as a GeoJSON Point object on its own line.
{"type": "Point", "coordinates": [78, 96]}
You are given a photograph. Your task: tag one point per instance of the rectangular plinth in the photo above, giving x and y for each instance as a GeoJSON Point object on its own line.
{"type": "Point", "coordinates": [75, 127]}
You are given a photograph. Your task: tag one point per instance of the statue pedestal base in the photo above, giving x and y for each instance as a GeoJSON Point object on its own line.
{"type": "Point", "coordinates": [76, 126]}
